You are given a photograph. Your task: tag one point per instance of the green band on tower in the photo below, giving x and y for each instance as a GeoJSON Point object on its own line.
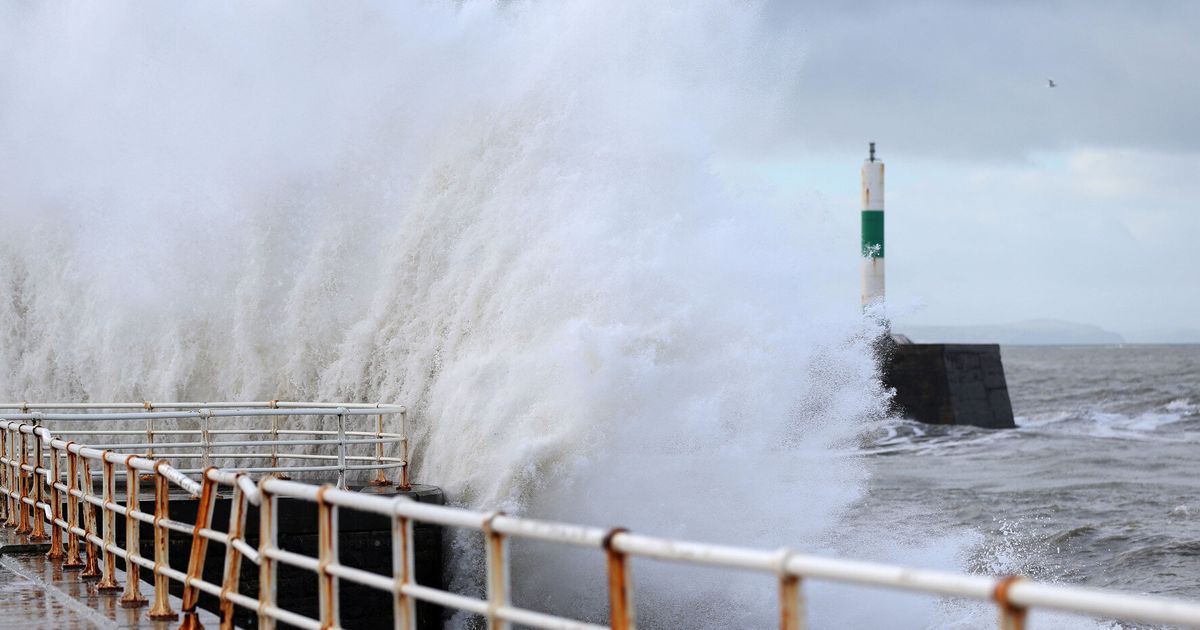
{"type": "Point", "coordinates": [872, 233]}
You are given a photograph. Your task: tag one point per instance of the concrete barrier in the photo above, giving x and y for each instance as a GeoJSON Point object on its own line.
{"type": "Point", "coordinates": [365, 541]}
{"type": "Point", "coordinates": [945, 383]}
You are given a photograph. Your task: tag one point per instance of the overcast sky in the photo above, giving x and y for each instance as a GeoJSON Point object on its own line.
{"type": "Point", "coordinates": [1006, 199]}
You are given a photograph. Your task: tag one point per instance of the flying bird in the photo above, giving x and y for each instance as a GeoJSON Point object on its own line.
{"type": "Point", "coordinates": [1051, 83]}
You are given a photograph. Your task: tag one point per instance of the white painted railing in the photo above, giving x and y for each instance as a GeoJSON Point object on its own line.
{"type": "Point", "coordinates": [34, 495]}
{"type": "Point", "coordinates": [214, 444]}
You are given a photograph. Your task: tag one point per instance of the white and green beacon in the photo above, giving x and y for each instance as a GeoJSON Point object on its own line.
{"type": "Point", "coordinates": [872, 231]}
{"type": "Point", "coordinates": [936, 383]}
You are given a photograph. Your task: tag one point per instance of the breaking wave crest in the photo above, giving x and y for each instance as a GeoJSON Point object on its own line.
{"type": "Point", "coordinates": [505, 216]}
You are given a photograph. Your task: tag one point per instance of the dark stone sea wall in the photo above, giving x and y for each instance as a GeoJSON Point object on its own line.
{"type": "Point", "coordinates": [364, 542]}
{"type": "Point", "coordinates": [949, 384]}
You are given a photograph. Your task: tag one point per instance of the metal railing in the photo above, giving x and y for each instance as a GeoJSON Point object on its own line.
{"type": "Point", "coordinates": [34, 495]}
{"type": "Point", "coordinates": [211, 444]}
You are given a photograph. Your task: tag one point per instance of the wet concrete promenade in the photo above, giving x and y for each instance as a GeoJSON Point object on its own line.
{"type": "Point", "coordinates": [37, 593]}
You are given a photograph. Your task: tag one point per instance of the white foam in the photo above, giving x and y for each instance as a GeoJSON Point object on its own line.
{"type": "Point", "coordinates": [1182, 405]}
{"type": "Point", "coordinates": [505, 216]}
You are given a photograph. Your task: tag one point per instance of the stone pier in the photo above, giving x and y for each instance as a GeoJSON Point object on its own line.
{"type": "Point", "coordinates": [941, 383]}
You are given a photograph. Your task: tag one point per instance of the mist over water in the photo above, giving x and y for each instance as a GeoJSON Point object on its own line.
{"type": "Point", "coordinates": [504, 216]}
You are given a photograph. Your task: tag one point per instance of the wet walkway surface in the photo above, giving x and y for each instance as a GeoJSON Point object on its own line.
{"type": "Point", "coordinates": [37, 593]}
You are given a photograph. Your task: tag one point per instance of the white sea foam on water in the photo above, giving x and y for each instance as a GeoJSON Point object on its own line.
{"type": "Point", "coordinates": [1154, 423]}
{"type": "Point", "coordinates": [1182, 405]}
{"type": "Point", "coordinates": [505, 216]}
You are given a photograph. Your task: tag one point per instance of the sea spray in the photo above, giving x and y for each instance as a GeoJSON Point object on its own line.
{"type": "Point", "coordinates": [505, 216]}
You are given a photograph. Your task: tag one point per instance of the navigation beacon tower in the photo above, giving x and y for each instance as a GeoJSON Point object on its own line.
{"type": "Point", "coordinates": [872, 230]}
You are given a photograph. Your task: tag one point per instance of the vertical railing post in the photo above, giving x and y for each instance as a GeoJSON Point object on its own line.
{"type": "Point", "coordinates": [4, 504]}
{"type": "Point", "coordinates": [789, 603]}
{"type": "Point", "coordinates": [341, 450]}
{"type": "Point", "coordinates": [620, 586]}
{"type": "Point", "coordinates": [405, 477]}
{"type": "Point", "coordinates": [327, 554]}
{"type": "Point", "coordinates": [791, 600]}
{"type": "Point", "coordinates": [205, 439]}
{"type": "Point", "coordinates": [161, 609]}
{"type": "Point", "coordinates": [11, 476]}
{"type": "Point", "coordinates": [233, 557]}
{"type": "Point", "coordinates": [56, 499]}
{"type": "Point", "coordinates": [380, 478]}
{"type": "Point", "coordinates": [267, 569]}
{"type": "Point", "coordinates": [403, 569]}
{"type": "Point", "coordinates": [148, 406]}
{"type": "Point", "coordinates": [17, 477]}
{"type": "Point", "coordinates": [274, 404]}
{"type": "Point", "coordinates": [1012, 616]}
{"type": "Point", "coordinates": [73, 560]}
{"type": "Point", "coordinates": [191, 594]}
{"type": "Point", "coordinates": [276, 423]}
{"type": "Point", "coordinates": [39, 516]}
{"type": "Point", "coordinates": [14, 477]}
{"type": "Point", "coordinates": [274, 442]}
{"type": "Point", "coordinates": [497, 573]}
{"type": "Point", "coordinates": [108, 581]}
{"type": "Point", "coordinates": [133, 594]}
{"type": "Point", "coordinates": [92, 569]}
{"type": "Point", "coordinates": [23, 525]}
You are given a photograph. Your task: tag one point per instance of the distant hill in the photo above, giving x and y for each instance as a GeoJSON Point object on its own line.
{"type": "Point", "coordinates": [1166, 335]}
{"type": "Point", "coordinates": [1030, 332]}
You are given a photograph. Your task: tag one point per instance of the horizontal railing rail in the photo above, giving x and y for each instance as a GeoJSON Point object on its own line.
{"type": "Point", "coordinates": [34, 496]}
{"type": "Point", "coordinates": [149, 405]}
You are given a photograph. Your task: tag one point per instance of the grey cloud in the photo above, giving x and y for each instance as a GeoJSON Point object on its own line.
{"type": "Point", "coordinates": [955, 79]}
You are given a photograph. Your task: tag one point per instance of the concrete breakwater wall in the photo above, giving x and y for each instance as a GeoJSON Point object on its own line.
{"type": "Point", "coordinates": [365, 542]}
{"type": "Point", "coordinates": [946, 383]}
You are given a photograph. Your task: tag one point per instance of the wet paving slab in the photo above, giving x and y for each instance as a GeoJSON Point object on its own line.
{"type": "Point", "coordinates": [38, 593]}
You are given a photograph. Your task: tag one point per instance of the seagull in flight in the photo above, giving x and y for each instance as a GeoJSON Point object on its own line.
{"type": "Point", "coordinates": [1051, 83]}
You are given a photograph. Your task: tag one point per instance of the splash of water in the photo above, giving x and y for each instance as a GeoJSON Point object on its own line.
{"type": "Point", "coordinates": [506, 216]}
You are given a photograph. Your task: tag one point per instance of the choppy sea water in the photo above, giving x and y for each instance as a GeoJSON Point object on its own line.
{"type": "Point", "coordinates": [1099, 485]}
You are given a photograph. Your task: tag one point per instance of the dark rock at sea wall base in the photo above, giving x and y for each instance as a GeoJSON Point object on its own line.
{"type": "Point", "coordinates": [949, 384]}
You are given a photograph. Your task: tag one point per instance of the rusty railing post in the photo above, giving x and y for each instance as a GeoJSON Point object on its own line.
{"type": "Point", "coordinates": [1012, 617]}
{"type": "Point", "coordinates": [92, 569]}
{"type": "Point", "coordinates": [23, 525]}
{"type": "Point", "coordinates": [233, 557]}
{"type": "Point", "coordinates": [73, 560]}
{"type": "Point", "coordinates": [620, 587]}
{"type": "Point", "coordinates": [161, 609]}
{"type": "Point", "coordinates": [791, 600]}
{"type": "Point", "coordinates": [276, 422]}
{"type": "Point", "coordinates": [148, 406]}
{"type": "Point", "coordinates": [274, 404]}
{"type": "Point", "coordinates": [790, 607]}
{"type": "Point", "coordinates": [380, 478]}
{"type": "Point", "coordinates": [133, 594]}
{"type": "Point", "coordinates": [5, 509]}
{"type": "Point", "coordinates": [403, 569]}
{"type": "Point", "coordinates": [12, 477]}
{"type": "Point", "coordinates": [205, 439]}
{"type": "Point", "coordinates": [405, 477]}
{"type": "Point", "coordinates": [56, 499]}
{"type": "Point", "coordinates": [37, 480]}
{"type": "Point", "coordinates": [108, 580]}
{"type": "Point", "coordinates": [267, 571]}
{"type": "Point", "coordinates": [191, 594]}
{"type": "Point", "coordinates": [327, 554]}
{"type": "Point", "coordinates": [497, 573]}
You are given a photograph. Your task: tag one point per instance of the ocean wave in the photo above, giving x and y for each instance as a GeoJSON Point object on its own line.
{"type": "Point", "coordinates": [1172, 421]}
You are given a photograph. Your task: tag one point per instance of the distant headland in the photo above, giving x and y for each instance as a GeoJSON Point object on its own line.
{"type": "Point", "coordinates": [1041, 332]}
